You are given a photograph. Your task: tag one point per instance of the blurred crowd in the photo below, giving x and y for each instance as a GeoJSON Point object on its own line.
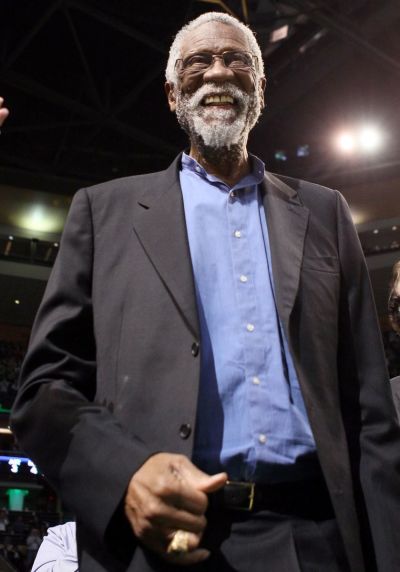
{"type": "Point", "coordinates": [21, 535]}
{"type": "Point", "coordinates": [11, 355]}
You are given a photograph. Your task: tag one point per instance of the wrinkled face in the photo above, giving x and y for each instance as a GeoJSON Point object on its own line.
{"type": "Point", "coordinates": [219, 105]}
{"type": "Point", "coordinates": [394, 298]}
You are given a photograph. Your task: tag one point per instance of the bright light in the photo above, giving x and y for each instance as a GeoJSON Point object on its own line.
{"type": "Point", "coordinates": [358, 216]}
{"type": "Point", "coordinates": [17, 302]}
{"type": "Point", "coordinates": [346, 142]}
{"type": "Point", "coordinates": [41, 218]}
{"type": "Point", "coordinates": [279, 34]}
{"type": "Point", "coordinates": [362, 139]}
{"type": "Point", "coordinates": [370, 139]}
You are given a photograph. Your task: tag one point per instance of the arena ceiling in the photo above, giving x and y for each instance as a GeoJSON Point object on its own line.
{"type": "Point", "coordinates": [84, 82]}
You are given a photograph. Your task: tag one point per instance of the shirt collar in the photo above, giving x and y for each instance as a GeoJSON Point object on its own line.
{"type": "Point", "coordinates": [255, 176]}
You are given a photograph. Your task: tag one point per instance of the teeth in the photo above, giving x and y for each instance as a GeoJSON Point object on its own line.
{"type": "Point", "coordinates": [218, 99]}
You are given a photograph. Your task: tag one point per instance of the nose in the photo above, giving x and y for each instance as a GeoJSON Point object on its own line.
{"type": "Point", "coordinates": [218, 71]}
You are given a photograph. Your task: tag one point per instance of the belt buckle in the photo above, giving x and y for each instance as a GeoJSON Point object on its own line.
{"type": "Point", "coordinates": [251, 490]}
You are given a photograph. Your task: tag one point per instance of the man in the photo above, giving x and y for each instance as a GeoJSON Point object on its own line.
{"type": "Point", "coordinates": [213, 321]}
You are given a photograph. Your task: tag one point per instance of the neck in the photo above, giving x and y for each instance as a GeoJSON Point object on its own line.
{"type": "Point", "coordinates": [228, 164]}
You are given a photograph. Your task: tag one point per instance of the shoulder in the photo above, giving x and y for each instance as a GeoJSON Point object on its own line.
{"type": "Point", "coordinates": [322, 202]}
{"type": "Point", "coordinates": [134, 185]}
{"type": "Point", "coordinates": [65, 533]}
{"type": "Point", "coordinates": [307, 190]}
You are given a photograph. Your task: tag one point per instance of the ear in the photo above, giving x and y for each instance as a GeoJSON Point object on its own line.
{"type": "Point", "coordinates": [261, 86]}
{"type": "Point", "coordinates": [170, 91]}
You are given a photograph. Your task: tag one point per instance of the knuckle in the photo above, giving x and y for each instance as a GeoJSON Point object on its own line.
{"type": "Point", "coordinates": [202, 523]}
{"type": "Point", "coordinates": [141, 529]}
{"type": "Point", "coordinates": [163, 487]}
{"type": "Point", "coordinates": [195, 541]}
{"type": "Point", "coordinates": [152, 509]}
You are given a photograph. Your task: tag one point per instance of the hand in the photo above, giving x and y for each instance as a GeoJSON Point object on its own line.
{"type": "Point", "coordinates": [168, 493]}
{"type": "Point", "coordinates": [3, 112]}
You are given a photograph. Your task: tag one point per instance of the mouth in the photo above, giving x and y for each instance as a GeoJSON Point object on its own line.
{"type": "Point", "coordinates": [220, 100]}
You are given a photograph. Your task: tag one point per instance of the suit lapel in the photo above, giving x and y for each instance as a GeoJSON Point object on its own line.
{"type": "Point", "coordinates": [287, 221]}
{"type": "Point", "coordinates": [159, 222]}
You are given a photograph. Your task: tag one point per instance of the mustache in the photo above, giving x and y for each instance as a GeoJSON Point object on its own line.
{"type": "Point", "coordinates": [239, 96]}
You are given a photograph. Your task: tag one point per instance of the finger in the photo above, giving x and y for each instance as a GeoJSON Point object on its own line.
{"type": "Point", "coordinates": [214, 483]}
{"type": "Point", "coordinates": [194, 557]}
{"type": "Point", "coordinates": [194, 553]}
{"type": "Point", "coordinates": [181, 520]}
{"type": "Point", "coordinates": [186, 472]}
{"type": "Point", "coordinates": [199, 479]}
{"type": "Point", "coordinates": [160, 540]}
{"type": "Point", "coordinates": [147, 510]}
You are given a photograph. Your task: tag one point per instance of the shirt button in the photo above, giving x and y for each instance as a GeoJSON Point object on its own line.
{"type": "Point", "coordinates": [256, 380]}
{"type": "Point", "coordinates": [185, 431]}
{"type": "Point", "coordinates": [250, 327]}
{"type": "Point", "coordinates": [243, 278]}
{"type": "Point", "coordinates": [262, 438]}
{"type": "Point", "coordinates": [195, 349]}
{"type": "Point", "coordinates": [237, 233]}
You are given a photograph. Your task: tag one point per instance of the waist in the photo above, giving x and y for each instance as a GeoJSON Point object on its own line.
{"type": "Point", "coordinates": [305, 499]}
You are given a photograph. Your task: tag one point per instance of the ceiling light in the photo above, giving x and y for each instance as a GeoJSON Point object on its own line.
{"type": "Point", "coordinates": [40, 218]}
{"type": "Point", "coordinates": [17, 302]}
{"type": "Point", "coordinates": [303, 151]}
{"type": "Point", "coordinates": [346, 142]}
{"type": "Point", "coordinates": [370, 138]}
{"type": "Point", "coordinates": [279, 34]}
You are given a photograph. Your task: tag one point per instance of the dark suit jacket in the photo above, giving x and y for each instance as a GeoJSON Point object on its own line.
{"type": "Point", "coordinates": [395, 387]}
{"type": "Point", "coordinates": [111, 375]}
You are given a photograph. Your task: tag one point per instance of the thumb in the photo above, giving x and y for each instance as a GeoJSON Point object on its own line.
{"type": "Point", "coordinates": [202, 481]}
{"type": "Point", "coordinates": [213, 483]}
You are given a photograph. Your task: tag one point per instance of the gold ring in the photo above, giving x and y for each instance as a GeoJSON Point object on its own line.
{"type": "Point", "coordinates": [179, 543]}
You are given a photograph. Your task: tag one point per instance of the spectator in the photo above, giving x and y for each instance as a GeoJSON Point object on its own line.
{"type": "Point", "coordinates": [4, 522]}
{"type": "Point", "coordinates": [33, 543]}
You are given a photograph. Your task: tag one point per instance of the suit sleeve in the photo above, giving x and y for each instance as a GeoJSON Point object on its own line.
{"type": "Point", "coordinates": [76, 443]}
{"type": "Point", "coordinates": [367, 402]}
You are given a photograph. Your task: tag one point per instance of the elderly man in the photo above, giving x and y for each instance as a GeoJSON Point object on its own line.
{"type": "Point", "coordinates": [212, 322]}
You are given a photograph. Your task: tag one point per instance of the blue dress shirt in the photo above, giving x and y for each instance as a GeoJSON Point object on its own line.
{"type": "Point", "coordinates": [251, 419]}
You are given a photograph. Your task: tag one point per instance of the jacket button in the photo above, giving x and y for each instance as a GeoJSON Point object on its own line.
{"type": "Point", "coordinates": [195, 349]}
{"type": "Point", "coordinates": [185, 431]}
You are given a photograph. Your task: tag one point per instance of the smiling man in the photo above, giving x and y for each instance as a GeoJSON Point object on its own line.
{"type": "Point", "coordinates": [205, 383]}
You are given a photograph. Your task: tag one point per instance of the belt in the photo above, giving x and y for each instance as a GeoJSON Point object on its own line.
{"type": "Point", "coordinates": [309, 498]}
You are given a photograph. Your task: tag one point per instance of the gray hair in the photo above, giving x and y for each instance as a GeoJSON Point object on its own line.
{"type": "Point", "coordinates": [175, 51]}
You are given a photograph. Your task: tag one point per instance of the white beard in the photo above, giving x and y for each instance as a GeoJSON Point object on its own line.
{"type": "Point", "coordinates": [217, 127]}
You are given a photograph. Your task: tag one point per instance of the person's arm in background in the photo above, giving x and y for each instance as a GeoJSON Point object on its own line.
{"type": "Point", "coordinates": [58, 552]}
{"type": "Point", "coordinates": [3, 112]}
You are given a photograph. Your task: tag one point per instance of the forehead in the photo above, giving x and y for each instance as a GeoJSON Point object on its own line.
{"type": "Point", "coordinates": [214, 37]}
